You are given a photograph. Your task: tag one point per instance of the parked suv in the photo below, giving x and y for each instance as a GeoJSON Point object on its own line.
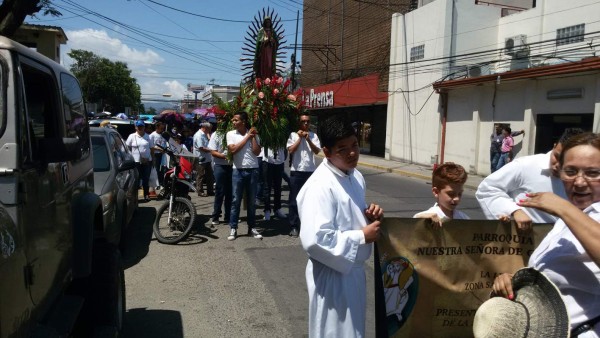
{"type": "Point", "coordinates": [60, 277]}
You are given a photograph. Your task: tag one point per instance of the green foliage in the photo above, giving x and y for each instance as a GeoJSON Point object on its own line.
{"type": "Point", "coordinates": [151, 111]}
{"type": "Point", "coordinates": [104, 81]}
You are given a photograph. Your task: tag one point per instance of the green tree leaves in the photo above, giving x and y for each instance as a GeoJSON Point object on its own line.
{"type": "Point", "coordinates": [105, 82]}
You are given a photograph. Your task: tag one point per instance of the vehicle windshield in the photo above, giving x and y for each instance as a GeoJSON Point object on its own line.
{"type": "Point", "coordinates": [101, 159]}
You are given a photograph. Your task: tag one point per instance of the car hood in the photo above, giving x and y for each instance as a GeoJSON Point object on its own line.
{"type": "Point", "coordinates": [101, 182]}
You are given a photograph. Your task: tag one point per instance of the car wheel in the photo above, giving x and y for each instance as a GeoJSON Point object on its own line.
{"type": "Point", "coordinates": [107, 304]}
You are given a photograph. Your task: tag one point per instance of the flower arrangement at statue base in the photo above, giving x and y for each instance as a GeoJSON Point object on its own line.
{"type": "Point", "coordinates": [272, 109]}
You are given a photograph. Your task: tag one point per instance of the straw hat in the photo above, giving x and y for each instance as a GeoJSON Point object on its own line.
{"type": "Point", "coordinates": [537, 311]}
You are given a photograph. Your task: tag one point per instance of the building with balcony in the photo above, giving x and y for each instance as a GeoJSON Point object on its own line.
{"type": "Point", "coordinates": [459, 66]}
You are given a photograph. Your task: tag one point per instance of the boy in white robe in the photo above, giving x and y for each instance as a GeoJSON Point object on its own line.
{"type": "Point", "coordinates": [337, 231]}
{"type": "Point", "coordinates": [447, 187]}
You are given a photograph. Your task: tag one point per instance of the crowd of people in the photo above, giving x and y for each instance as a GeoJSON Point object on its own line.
{"type": "Point", "coordinates": [231, 166]}
{"type": "Point", "coordinates": [336, 225]}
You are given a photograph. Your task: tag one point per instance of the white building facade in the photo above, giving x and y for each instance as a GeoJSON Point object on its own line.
{"type": "Point", "coordinates": [458, 67]}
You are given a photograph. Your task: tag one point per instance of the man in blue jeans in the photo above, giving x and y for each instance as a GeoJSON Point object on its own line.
{"type": "Point", "coordinates": [222, 171]}
{"type": "Point", "coordinates": [243, 144]}
{"type": "Point", "coordinates": [302, 146]}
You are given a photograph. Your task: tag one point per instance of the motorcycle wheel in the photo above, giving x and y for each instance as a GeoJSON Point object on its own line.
{"type": "Point", "coordinates": [183, 216]}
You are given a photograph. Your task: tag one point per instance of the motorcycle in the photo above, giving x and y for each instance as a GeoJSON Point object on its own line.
{"type": "Point", "coordinates": [175, 218]}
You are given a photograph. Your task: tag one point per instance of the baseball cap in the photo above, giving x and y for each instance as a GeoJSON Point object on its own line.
{"type": "Point", "coordinates": [139, 123]}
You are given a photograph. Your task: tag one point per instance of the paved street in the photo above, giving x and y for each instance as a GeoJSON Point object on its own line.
{"type": "Point", "coordinates": [210, 287]}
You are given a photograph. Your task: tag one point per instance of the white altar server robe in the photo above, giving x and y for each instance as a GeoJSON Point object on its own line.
{"type": "Point", "coordinates": [331, 206]}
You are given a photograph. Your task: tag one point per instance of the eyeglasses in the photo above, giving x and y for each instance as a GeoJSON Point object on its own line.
{"type": "Point", "coordinates": [305, 121]}
{"type": "Point", "coordinates": [571, 174]}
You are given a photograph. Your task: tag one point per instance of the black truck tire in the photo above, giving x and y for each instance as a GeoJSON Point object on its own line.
{"type": "Point", "coordinates": [107, 304]}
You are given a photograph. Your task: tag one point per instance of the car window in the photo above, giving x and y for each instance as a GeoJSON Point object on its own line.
{"type": "Point", "coordinates": [101, 159]}
{"type": "Point", "coordinates": [40, 101]}
{"type": "Point", "coordinates": [120, 151]}
{"type": "Point", "coordinates": [74, 113]}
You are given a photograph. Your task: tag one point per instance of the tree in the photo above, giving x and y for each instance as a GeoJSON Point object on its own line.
{"type": "Point", "coordinates": [14, 12]}
{"type": "Point", "coordinates": [106, 82]}
{"type": "Point", "coordinates": [151, 111]}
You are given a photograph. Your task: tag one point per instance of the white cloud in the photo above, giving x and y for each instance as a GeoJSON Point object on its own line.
{"type": "Point", "coordinates": [100, 43]}
{"type": "Point", "coordinates": [140, 61]}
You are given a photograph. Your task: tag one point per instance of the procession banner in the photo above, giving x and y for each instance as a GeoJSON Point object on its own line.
{"type": "Point", "coordinates": [430, 281]}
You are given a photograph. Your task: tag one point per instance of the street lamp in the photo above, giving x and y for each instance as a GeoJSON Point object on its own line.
{"type": "Point", "coordinates": [163, 94]}
{"type": "Point", "coordinates": [196, 98]}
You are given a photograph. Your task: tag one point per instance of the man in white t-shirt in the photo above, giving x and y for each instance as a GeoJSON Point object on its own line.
{"type": "Point", "coordinates": [203, 166]}
{"type": "Point", "coordinates": [243, 143]}
{"type": "Point", "coordinates": [222, 171]}
{"type": "Point", "coordinates": [159, 143]}
{"type": "Point", "coordinates": [302, 146]}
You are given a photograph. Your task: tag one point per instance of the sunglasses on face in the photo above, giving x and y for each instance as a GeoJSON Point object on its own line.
{"type": "Point", "coordinates": [305, 121]}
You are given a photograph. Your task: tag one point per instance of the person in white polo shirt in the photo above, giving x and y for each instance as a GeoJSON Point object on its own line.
{"type": "Point", "coordinates": [302, 146]}
{"type": "Point", "coordinates": [243, 143]}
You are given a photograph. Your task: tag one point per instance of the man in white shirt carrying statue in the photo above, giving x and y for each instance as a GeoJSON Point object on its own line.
{"type": "Point", "coordinates": [302, 147]}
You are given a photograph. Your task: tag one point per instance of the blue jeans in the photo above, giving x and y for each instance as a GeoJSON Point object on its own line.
{"type": "Point", "coordinates": [272, 180]}
{"type": "Point", "coordinates": [297, 180]}
{"type": "Point", "coordinates": [503, 160]}
{"type": "Point", "coordinates": [494, 157]}
{"type": "Point", "coordinates": [243, 180]}
{"type": "Point", "coordinates": [223, 190]}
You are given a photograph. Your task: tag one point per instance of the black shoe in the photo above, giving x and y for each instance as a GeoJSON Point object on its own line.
{"type": "Point", "coordinates": [294, 232]}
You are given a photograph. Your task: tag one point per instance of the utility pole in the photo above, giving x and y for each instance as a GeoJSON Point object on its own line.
{"type": "Point", "coordinates": [293, 58]}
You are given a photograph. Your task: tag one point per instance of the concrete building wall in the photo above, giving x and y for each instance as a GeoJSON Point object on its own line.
{"type": "Point", "coordinates": [451, 32]}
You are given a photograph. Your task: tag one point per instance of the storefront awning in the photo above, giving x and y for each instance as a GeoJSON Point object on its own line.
{"type": "Point", "coordinates": [359, 91]}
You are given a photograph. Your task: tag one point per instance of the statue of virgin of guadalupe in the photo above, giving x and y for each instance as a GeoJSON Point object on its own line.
{"type": "Point", "coordinates": [265, 53]}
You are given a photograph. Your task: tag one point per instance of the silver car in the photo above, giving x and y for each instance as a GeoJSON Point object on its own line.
{"type": "Point", "coordinates": [115, 181]}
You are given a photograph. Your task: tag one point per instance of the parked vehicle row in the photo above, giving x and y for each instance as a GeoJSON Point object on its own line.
{"type": "Point", "coordinates": [61, 274]}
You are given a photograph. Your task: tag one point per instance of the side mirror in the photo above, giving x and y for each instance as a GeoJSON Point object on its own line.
{"type": "Point", "coordinates": [54, 150]}
{"type": "Point", "coordinates": [126, 165]}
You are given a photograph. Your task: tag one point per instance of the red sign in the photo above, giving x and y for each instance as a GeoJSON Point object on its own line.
{"type": "Point", "coordinates": [353, 92]}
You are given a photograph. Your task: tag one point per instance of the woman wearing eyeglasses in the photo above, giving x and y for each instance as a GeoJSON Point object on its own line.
{"type": "Point", "coordinates": [570, 254]}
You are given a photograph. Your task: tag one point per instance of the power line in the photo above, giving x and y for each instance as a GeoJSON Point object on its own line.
{"type": "Point", "coordinates": [147, 36]}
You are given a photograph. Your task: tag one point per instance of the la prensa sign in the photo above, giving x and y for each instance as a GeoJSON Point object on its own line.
{"type": "Point", "coordinates": [319, 99]}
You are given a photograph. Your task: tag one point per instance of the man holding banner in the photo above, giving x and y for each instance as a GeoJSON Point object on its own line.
{"type": "Point", "coordinates": [337, 231]}
{"type": "Point", "coordinates": [499, 192]}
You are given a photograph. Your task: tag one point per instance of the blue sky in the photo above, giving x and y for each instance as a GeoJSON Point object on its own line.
{"type": "Point", "coordinates": [165, 47]}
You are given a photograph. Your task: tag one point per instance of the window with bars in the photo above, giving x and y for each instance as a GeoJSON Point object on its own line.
{"type": "Point", "coordinates": [571, 34]}
{"type": "Point", "coordinates": [417, 53]}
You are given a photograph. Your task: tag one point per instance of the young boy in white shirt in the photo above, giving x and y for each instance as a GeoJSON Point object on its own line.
{"type": "Point", "coordinates": [447, 188]}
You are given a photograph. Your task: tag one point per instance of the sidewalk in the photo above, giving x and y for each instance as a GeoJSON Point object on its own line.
{"type": "Point", "coordinates": [409, 169]}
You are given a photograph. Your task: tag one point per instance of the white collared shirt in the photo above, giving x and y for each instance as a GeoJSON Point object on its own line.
{"type": "Point", "coordinates": [562, 258]}
{"type": "Point", "coordinates": [499, 193]}
{"type": "Point", "coordinates": [216, 143]}
{"type": "Point", "coordinates": [435, 209]}
{"type": "Point", "coordinates": [269, 156]}
{"type": "Point", "coordinates": [303, 159]}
